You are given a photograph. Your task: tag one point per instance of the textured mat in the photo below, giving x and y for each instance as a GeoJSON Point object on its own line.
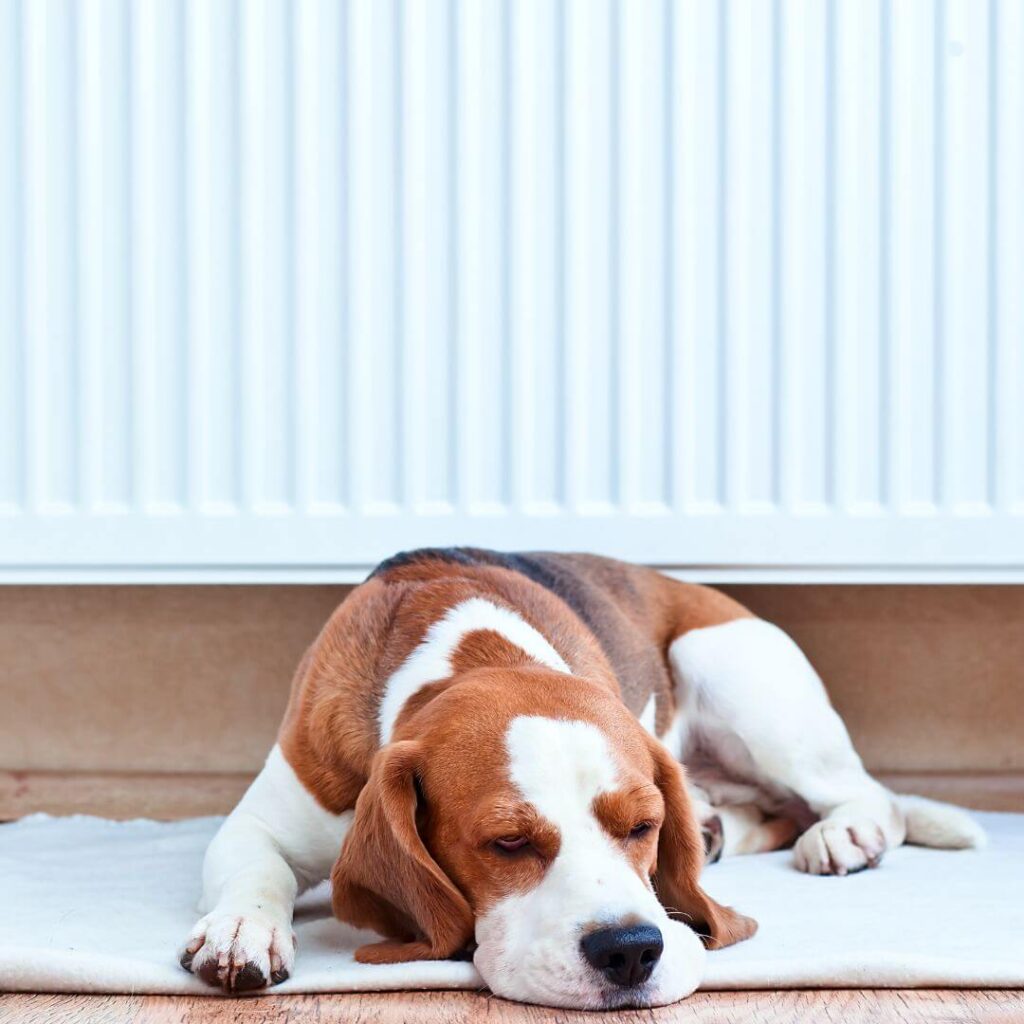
{"type": "Point", "coordinates": [88, 905]}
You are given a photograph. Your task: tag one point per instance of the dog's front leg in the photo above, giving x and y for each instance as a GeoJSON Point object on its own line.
{"type": "Point", "coordinates": [244, 940]}
{"type": "Point", "coordinates": [276, 842]}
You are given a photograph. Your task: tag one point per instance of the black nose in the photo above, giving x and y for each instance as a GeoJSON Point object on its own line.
{"type": "Point", "coordinates": [625, 956]}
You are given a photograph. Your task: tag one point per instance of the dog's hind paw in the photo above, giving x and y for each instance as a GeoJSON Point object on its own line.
{"type": "Point", "coordinates": [840, 847]}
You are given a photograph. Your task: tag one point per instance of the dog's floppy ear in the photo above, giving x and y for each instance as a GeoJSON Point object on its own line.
{"type": "Point", "coordinates": [680, 859]}
{"type": "Point", "coordinates": [385, 878]}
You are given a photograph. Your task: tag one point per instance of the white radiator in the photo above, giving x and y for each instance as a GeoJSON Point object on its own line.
{"type": "Point", "coordinates": [736, 287]}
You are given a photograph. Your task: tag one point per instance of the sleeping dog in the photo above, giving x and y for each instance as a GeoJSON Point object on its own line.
{"type": "Point", "coordinates": [484, 751]}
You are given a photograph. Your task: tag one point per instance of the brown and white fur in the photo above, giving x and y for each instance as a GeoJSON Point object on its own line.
{"type": "Point", "coordinates": [483, 752]}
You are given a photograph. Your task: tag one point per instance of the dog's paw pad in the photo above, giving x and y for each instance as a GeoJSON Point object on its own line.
{"type": "Point", "coordinates": [239, 953]}
{"type": "Point", "coordinates": [248, 978]}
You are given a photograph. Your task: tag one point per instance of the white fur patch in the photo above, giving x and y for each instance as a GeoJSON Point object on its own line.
{"type": "Point", "coordinates": [432, 659]}
{"type": "Point", "coordinates": [541, 750]}
{"type": "Point", "coordinates": [649, 714]}
{"type": "Point", "coordinates": [529, 944]}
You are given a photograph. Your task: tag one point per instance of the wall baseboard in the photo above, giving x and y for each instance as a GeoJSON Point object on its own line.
{"type": "Point", "coordinates": [184, 795]}
{"type": "Point", "coordinates": [984, 791]}
{"type": "Point", "coordinates": [119, 795]}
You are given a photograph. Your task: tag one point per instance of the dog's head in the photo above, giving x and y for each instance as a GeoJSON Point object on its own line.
{"type": "Point", "coordinates": [542, 824]}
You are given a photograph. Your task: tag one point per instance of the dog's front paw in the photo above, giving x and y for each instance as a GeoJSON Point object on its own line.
{"type": "Point", "coordinates": [840, 847]}
{"type": "Point", "coordinates": [240, 952]}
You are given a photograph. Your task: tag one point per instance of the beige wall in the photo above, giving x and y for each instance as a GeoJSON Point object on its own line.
{"type": "Point", "coordinates": [194, 679]}
{"type": "Point", "coordinates": [149, 678]}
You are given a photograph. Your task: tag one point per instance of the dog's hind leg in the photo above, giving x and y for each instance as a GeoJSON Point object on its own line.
{"type": "Point", "coordinates": [759, 707]}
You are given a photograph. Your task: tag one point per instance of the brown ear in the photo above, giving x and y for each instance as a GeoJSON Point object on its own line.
{"type": "Point", "coordinates": [386, 880]}
{"type": "Point", "coordinates": [680, 859]}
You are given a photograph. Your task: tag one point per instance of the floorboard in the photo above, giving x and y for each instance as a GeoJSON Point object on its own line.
{"type": "Point", "coordinates": [860, 1006]}
{"type": "Point", "coordinates": [186, 795]}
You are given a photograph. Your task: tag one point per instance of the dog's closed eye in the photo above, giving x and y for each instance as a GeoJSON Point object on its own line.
{"type": "Point", "coordinates": [511, 844]}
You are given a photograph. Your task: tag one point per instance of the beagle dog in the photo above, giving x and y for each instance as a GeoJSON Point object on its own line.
{"type": "Point", "coordinates": [484, 752]}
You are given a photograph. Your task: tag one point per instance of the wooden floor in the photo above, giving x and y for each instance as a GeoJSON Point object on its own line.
{"type": "Point", "coordinates": [859, 1006]}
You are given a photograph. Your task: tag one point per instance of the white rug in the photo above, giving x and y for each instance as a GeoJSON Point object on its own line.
{"type": "Point", "coordinates": [88, 905]}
